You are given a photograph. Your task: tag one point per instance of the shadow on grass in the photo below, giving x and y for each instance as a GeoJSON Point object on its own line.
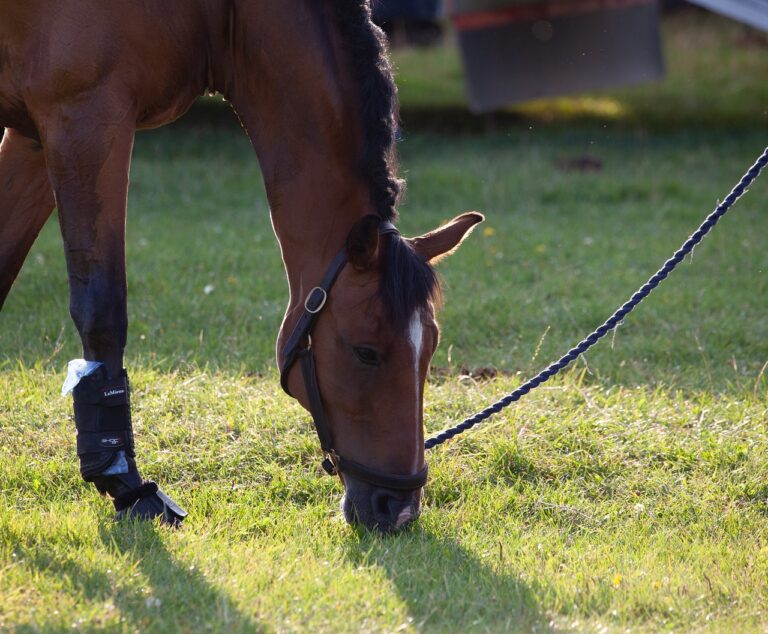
{"type": "Point", "coordinates": [149, 588]}
{"type": "Point", "coordinates": [447, 588]}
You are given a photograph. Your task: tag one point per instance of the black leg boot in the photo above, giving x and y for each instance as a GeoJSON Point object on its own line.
{"type": "Point", "coordinates": [106, 451]}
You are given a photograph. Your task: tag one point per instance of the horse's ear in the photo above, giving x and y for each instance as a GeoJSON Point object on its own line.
{"type": "Point", "coordinates": [363, 241]}
{"type": "Point", "coordinates": [435, 245]}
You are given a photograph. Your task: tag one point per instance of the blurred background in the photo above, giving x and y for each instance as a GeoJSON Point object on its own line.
{"type": "Point", "coordinates": [513, 51]}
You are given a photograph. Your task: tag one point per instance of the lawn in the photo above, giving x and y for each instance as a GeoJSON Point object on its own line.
{"type": "Point", "coordinates": [632, 493]}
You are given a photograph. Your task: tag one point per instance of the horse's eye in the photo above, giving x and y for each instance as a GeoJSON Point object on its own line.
{"type": "Point", "coordinates": [366, 355]}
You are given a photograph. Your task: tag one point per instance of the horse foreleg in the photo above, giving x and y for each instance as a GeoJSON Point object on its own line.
{"type": "Point", "coordinates": [88, 161]}
{"type": "Point", "coordinates": [26, 202]}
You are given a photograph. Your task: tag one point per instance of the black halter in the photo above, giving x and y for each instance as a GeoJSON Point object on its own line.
{"type": "Point", "coordinates": [299, 347]}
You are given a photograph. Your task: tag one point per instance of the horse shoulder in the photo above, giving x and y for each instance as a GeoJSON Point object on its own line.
{"type": "Point", "coordinates": [82, 51]}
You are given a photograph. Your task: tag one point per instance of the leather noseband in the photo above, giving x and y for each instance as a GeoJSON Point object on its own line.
{"type": "Point", "coordinates": [299, 348]}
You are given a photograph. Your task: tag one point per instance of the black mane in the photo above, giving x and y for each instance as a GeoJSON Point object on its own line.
{"type": "Point", "coordinates": [408, 282]}
{"type": "Point", "coordinates": [367, 47]}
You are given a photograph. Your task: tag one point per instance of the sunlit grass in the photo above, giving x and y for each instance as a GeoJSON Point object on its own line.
{"type": "Point", "coordinates": [579, 508]}
{"type": "Point", "coordinates": [565, 108]}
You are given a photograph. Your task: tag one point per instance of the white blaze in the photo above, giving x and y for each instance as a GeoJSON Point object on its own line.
{"type": "Point", "coordinates": [416, 337]}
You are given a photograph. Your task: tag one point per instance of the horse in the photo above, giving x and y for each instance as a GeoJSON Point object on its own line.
{"type": "Point", "coordinates": [312, 85]}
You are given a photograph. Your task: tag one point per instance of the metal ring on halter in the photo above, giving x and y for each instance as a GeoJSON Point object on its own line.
{"type": "Point", "coordinates": [332, 463]}
{"type": "Point", "coordinates": [319, 307]}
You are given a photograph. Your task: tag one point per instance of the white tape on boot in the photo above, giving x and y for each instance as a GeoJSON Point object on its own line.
{"type": "Point", "coordinates": [76, 370]}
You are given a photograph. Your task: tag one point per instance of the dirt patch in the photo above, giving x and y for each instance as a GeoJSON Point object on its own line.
{"type": "Point", "coordinates": [583, 163]}
{"type": "Point", "coordinates": [752, 39]}
{"type": "Point", "coordinates": [484, 373]}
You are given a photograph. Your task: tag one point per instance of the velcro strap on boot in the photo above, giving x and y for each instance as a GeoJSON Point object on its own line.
{"type": "Point", "coordinates": [107, 393]}
{"type": "Point", "coordinates": [90, 442]}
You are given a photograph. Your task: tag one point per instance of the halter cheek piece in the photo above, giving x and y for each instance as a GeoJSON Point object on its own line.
{"type": "Point", "coordinates": [299, 348]}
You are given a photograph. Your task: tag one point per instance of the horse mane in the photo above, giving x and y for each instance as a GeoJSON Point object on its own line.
{"type": "Point", "coordinates": [408, 282]}
{"type": "Point", "coordinates": [367, 48]}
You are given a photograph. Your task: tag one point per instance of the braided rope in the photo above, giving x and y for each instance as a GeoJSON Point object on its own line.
{"type": "Point", "coordinates": [614, 319]}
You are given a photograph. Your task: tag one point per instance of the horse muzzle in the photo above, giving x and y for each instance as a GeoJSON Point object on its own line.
{"type": "Point", "coordinates": [377, 508]}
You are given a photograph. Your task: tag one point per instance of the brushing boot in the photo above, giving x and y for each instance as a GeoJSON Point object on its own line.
{"type": "Point", "coordinates": [106, 449]}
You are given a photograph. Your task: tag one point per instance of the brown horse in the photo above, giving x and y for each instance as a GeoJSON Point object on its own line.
{"type": "Point", "coordinates": [312, 86]}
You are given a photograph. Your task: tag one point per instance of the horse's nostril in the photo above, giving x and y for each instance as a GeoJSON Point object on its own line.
{"type": "Point", "coordinates": [380, 504]}
{"type": "Point", "coordinates": [392, 511]}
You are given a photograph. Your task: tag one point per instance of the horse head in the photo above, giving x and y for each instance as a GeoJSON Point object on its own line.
{"type": "Point", "coordinates": [357, 357]}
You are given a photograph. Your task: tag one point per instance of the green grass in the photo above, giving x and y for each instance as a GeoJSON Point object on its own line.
{"type": "Point", "coordinates": [632, 493]}
{"type": "Point", "coordinates": [582, 508]}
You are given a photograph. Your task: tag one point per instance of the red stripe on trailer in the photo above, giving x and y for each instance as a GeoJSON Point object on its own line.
{"type": "Point", "coordinates": [538, 11]}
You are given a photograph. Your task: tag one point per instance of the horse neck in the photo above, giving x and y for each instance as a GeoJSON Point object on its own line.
{"type": "Point", "coordinates": [299, 104]}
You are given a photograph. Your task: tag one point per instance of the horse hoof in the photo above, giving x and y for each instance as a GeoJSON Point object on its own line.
{"type": "Point", "coordinates": [148, 502]}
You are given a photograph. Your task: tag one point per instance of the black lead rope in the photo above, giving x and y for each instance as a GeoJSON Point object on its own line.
{"type": "Point", "coordinates": [615, 319]}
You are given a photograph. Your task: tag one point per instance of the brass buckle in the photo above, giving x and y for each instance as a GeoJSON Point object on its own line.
{"type": "Point", "coordinates": [331, 463]}
{"type": "Point", "coordinates": [322, 302]}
